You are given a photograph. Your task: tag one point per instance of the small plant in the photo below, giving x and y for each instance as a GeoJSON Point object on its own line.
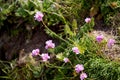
{"type": "Point", "coordinates": [79, 55]}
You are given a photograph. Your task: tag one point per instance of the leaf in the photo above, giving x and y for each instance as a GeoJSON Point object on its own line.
{"type": "Point", "coordinates": [74, 24]}
{"type": "Point", "coordinates": [92, 23]}
{"type": "Point", "coordinates": [4, 77]}
{"type": "Point", "coordinates": [60, 56]}
{"type": "Point", "coordinates": [67, 30]}
{"type": "Point", "coordinates": [4, 71]}
{"type": "Point", "coordinates": [113, 5]}
{"type": "Point", "coordinates": [30, 12]}
{"type": "Point", "coordinates": [21, 12]}
{"type": "Point", "coordinates": [93, 11]}
{"type": "Point", "coordinates": [81, 48]}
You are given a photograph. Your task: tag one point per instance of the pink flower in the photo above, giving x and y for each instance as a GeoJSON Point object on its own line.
{"type": "Point", "coordinates": [49, 44]}
{"type": "Point", "coordinates": [66, 60]}
{"type": "Point", "coordinates": [110, 43]}
{"type": "Point", "coordinates": [38, 16]}
{"type": "Point", "coordinates": [83, 76]}
{"type": "Point", "coordinates": [35, 52]}
{"type": "Point", "coordinates": [75, 50]}
{"type": "Point", "coordinates": [45, 57]}
{"type": "Point", "coordinates": [79, 67]}
{"type": "Point", "coordinates": [87, 20]}
{"type": "Point", "coordinates": [99, 38]}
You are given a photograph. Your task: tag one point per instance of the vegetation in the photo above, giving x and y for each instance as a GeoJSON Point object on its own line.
{"type": "Point", "coordinates": [79, 55]}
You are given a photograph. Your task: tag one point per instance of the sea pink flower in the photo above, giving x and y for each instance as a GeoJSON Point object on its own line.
{"type": "Point", "coordinates": [66, 60]}
{"type": "Point", "coordinates": [49, 44]}
{"type": "Point", "coordinates": [110, 43]}
{"type": "Point", "coordinates": [79, 67]}
{"type": "Point", "coordinates": [45, 57]}
{"type": "Point", "coordinates": [87, 20]}
{"type": "Point", "coordinates": [99, 38]}
{"type": "Point", "coordinates": [83, 76]}
{"type": "Point", "coordinates": [38, 16]}
{"type": "Point", "coordinates": [75, 50]}
{"type": "Point", "coordinates": [35, 52]}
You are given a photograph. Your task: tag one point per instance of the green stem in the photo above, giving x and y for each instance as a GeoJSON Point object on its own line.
{"type": "Point", "coordinates": [56, 34]}
{"type": "Point", "coordinates": [54, 66]}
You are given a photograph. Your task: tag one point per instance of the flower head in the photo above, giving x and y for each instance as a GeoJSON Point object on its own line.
{"type": "Point", "coordinates": [66, 60]}
{"type": "Point", "coordinates": [35, 52]}
{"type": "Point", "coordinates": [83, 76]}
{"type": "Point", "coordinates": [99, 38]}
{"type": "Point", "coordinates": [75, 50]}
{"type": "Point", "coordinates": [79, 67]}
{"type": "Point", "coordinates": [49, 44]}
{"type": "Point", "coordinates": [87, 20]}
{"type": "Point", "coordinates": [110, 43]}
{"type": "Point", "coordinates": [38, 16]}
{"type": "Point", "coordinates": [45, 57]}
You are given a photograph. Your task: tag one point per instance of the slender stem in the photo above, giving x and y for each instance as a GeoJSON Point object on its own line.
{"type": "Point", "coordinates": [55, 34]}
{"type": "Point", "coordinates": [54, 66]}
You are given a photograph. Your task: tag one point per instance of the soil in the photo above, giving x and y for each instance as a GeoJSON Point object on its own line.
{"type": "Point", "coordinates": [10, 46]}
{"type": "Point", "coordinates": [108, 32]}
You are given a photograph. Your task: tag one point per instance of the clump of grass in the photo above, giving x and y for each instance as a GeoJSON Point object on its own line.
{"type": "Point", "coordinates": [99, 68]}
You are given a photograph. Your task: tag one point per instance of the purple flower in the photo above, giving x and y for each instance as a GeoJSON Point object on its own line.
{"type": "Point", "coordinates": [45, 57]}
{"type": "Point", "coordinates": [87, 20]}
{"type": "Point", "coordinates": [99, 38]}
{"type": "Point", "coordinates": [66, 60]}
{"type": "Point", "coordinates": [75, 50]}
{"type": "Point", "coordinates": [38, 16]}
{"type": "Point", "coordinates": [49, 44]}
{"type": "Point", "coordinates": [110, 43]}
{"type": "Point", "coordinates": [83, 76]}
{"type": "Point", "coordinates": [79, 67]}
{"type": "Point", "coordinates": [35, 52]}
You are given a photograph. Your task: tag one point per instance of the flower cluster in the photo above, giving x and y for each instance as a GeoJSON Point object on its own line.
{"type": "Point", "coordinates": [79, 68]}
{"type": "Point", "coordinates": [66, 60]}
{"type": "Point", "coordinates": [88, 20]}
{"type": "Point", "coordinates": [99, 38]}
{"type": "Point", "coordinates": [49, 44]}
{"type": "Point", "coordinates": [110, 42]}
{"type": "Point", "coordinates": [44, 56]}
{"type": "Point", "coordinates": [35, 52]}
{"type": "Point", "coordinates": [75, 50]}
{"type": "Point", "coordinates": [38, 16]}
{"type": "Point", "coordinates": [83, 76]}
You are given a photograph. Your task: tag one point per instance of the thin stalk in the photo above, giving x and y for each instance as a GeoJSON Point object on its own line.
{"type": "Point", "coordinates": [55, 34]}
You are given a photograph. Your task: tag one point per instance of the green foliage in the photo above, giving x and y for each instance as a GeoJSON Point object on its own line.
{"type": "Point", "coordinates": [103, 69]}
{"type": "Point", "coordinates": [56, 9]}
{"type": "Point", "coordinates": [6, 10]}
{"type": "Point", "coordinates": [109, 9]}
{"type": "Point", "coordinates": [70, 15]}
